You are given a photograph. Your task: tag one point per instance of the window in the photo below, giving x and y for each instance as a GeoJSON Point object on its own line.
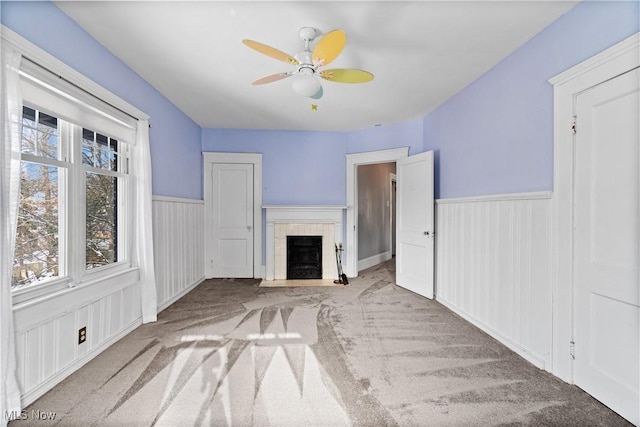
{"type": "Point", "coordinates": [84, 174]}
{"type": "Point", "coordinates": [104, 183]}
{"type": "Point", "coordinates": [73, 210]}
{"type": "Point", "coordinates": [37, 252]}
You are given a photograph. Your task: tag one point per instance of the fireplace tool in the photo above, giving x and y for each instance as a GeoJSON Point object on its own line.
{"type": "Point", "coordinates": [342, 278]}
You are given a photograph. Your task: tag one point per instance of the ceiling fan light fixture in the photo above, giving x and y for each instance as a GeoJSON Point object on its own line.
{"type": "Point", "coordinates": [306, 85]}
{"type": "Point", "coordinates": [307, 62]}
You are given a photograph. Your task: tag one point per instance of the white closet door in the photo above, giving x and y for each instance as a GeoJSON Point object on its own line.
{"type": "Point", "coordinates": [607, 297]}
{"type": "Point", "coordinates": [232, 220]}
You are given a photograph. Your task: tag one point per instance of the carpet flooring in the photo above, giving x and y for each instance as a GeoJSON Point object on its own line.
{"type": "Point", "coordinates": [366, 354]}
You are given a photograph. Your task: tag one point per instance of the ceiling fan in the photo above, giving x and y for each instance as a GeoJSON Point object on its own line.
{"type": "Point", "coordinates": [308, 63]}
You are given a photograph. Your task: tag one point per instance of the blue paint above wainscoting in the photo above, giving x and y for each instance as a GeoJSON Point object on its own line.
{"type": "Point", "coordinates": [496, 135]}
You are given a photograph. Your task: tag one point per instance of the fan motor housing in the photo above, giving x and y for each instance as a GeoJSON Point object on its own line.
{"type": "Point", "coordinates": [303, 57]}
{"type": "Point", "coordinates": [306, 69]}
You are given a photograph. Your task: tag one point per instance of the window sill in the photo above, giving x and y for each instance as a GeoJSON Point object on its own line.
{"type": "Point", "coordinates": [40, 289]}
{"type": "Point", "coordinates": [40, 293]}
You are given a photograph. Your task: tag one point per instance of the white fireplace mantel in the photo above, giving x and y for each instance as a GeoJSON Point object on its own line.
{"type": "Point", "coordinates": [305, 216]}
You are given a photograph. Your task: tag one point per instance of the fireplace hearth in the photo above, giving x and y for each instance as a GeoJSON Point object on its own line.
{"type": "Point", "coordinates": [304, 257]}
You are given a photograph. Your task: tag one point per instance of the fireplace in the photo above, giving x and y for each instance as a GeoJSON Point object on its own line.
{"type": "Point", "coordinates": [305, 221]}
{"type": "Point", "coordinates": [304, 257]}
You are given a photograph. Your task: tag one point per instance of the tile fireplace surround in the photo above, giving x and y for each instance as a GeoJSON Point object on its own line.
{"type": "Point", "coordinates": [283, 221]}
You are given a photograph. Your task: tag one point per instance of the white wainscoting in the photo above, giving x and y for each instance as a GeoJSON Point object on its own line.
{"type": "Point", "coordinates": [493, 268]}
{"type": "Point", "coordinates": [178, 237]}
{"type": "Point", "coordinates": [47, 327]}
{"type": "Point", "coordinates": [47, 347]}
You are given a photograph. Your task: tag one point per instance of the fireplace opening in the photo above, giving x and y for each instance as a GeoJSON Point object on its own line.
{"type": "Point", "coordinates": [304, 257]}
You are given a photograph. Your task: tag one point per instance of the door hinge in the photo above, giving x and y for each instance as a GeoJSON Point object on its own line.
{"type": "Point", "coordinates": [574, 124]}
{"type": "Point", "coordinates": [572, 350]}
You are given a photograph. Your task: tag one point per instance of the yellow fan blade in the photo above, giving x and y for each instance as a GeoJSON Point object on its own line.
{"type": "Point", "coordinates": [329, 47]}
{"type": "Point", "coordinates": [271, 51]}
{"type": "Point", "coordinates": [271, 78]}
{"type": "Point", "coordinates": [346, 75]}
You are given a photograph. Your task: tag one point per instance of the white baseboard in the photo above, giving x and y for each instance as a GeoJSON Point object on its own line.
{"type": "Point", "coordinates": [373, 260]}
{"type": "Point", "coordinates": [180, 294]}
{"type": "Point", "coordinates": [519, 350]}
{"type": "Point", "coordinates": [31, 396]}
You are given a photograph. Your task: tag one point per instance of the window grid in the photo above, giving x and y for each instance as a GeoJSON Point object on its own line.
{"type": "Point", "coordinates": [87, 201]}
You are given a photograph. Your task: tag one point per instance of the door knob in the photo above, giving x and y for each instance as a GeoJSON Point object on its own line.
{"type": "Point", "coordinates": [249, 228]}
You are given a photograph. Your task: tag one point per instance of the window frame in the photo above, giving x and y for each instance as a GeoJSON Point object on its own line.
{"type": "Point", "coordinates": [124, 207]}
{"type": "Point", "coordinates": [72, 210]}
{"type": "Point", "coordinates": [89, 90]}
{"type": "Point", "coordinates": [63, 279]}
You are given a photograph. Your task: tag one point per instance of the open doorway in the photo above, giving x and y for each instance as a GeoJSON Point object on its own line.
{"type": "Point", "coordinates": [375, 209]}
{"type": "Point", "coordinates": [351, 229]}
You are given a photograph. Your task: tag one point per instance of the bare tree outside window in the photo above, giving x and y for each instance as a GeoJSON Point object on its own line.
{"type": "Point", "coordinates": [101, 220]}
{"type": "Point", "coordinates": [36, 255]}
{"type": "Point", "coordinates": [100, 153]}
{"type": "Point", "coordinates": [45, 177]}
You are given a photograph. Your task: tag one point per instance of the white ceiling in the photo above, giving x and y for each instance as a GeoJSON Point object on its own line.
{"type": "Point", "coordinates": [421, 53]}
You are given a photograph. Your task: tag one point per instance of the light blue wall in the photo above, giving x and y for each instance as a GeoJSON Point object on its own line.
{"type": "Point", "coordinates": [493, 137]}
{"type": "Point", "coordinates": [496, 135]}
{"type": "Point", "coordinates": [384, 137]}
{"type": "Point", "coordinates": [302, 167]}
{"type": "Point", "coordinates": [306, 168]}
{"type": "Point", "coordinates": [175, 139]}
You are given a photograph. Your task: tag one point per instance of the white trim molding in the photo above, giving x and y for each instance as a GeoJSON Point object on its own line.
{"type": "Point", "coordinates": [617, 59]}
{"type": "Point", "coordinates": [171, 199]}
{"type": "Point", "coordinates": [53, 64]}
{"type": "Point", "coordinates": [353, 161]}
{"type": "Point", "coordinates": [498, 197]}
{"type": "Point", "coordinates": [606, 65]}
{"type": "Point", "coordinates": [243, 158]}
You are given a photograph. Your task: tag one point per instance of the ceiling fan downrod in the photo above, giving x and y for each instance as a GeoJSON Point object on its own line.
{"type": "Point", "coordinates": [307, 35]}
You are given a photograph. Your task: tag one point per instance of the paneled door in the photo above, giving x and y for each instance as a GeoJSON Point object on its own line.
{"type": "Point", "coordinates": [232, 227]}
{"type": "Point", "coordinates": [606, 210]}
{"type": "Point", "coordinates": [414, 223]}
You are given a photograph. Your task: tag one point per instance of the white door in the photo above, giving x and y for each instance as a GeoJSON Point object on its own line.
{"type": "Point", "coordinates": [606, 235]}
{"type": "Point", "coordinates": [414, 223]}
{"type": "Point", "coordinates": [232, 220]}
